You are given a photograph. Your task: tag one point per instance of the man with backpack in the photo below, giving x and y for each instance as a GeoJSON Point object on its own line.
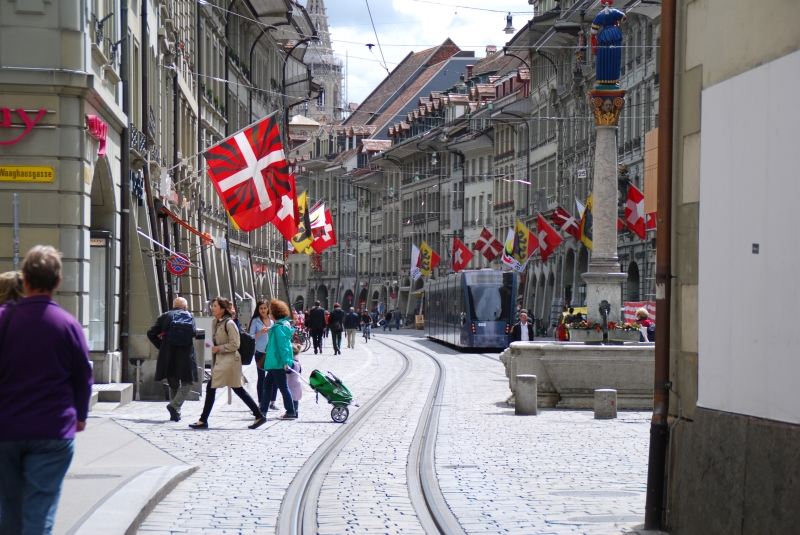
{"type": "Point", "coordinates": [173, 335]}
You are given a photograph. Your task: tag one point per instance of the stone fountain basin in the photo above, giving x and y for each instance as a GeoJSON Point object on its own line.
{"type": "Point", "coordinates": [569, 372]}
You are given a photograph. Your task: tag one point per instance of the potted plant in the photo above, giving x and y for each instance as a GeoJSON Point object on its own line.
{"type": "Point", "coordinates": [585, 331]}
{"type": "Point", "coordinates": [623, 332]}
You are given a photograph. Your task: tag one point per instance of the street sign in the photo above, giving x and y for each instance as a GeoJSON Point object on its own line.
{"type": "Point", "coordinates": [178, 264]}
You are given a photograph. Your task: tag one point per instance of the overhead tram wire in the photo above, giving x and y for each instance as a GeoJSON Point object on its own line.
{"type": "Point", "coordinates": [377, 39]}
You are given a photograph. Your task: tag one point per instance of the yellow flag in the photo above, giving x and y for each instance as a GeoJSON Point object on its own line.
{"type": "Point", "coordinates": [428, 259]}
{"type": "Point", "coordinates": [234, 226]}
{"type": "Point", "coordinates": [302, 240]}
{"type": "Point", "coordinates": [525, 244]}
{"type": "Point", "coordinates": [586, 223]}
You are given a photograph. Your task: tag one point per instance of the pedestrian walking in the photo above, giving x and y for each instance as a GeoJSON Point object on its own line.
{"type": "Point", "coordinates": [647, 326]}
{"type": "Point", "coordinates": [336, 326]}
{"type": "Point", "coordinates": [173, 335]}
{"type": "Point", "coordinates": [388, 321]}
{"type": "Point", "coordinates": [280, 355]}
{"type": "Point", "coordinates": [315, 321]}
{"type": "Point", "coordinates": [226, 364]}
{"type": "Point", "coordinates": [522, 331]}
{"type": "Point", "coordinates": [398, 319]}
{"type": "Point", "coordinates": [352, 322]}
{"type": "Point", "coordinates": [11, 288]}
{"type": "Point", "coordinates": [260, 324]}
{"type": "Point", "coordinates": [294, 381]}
{"type": "Point", "coordinates": [45, 386]}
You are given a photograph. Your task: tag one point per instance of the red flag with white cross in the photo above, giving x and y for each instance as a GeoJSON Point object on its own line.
{"type": "Point", "coordinates": [548, 238]}
{"type": "Point", "coordinates": [488, 245]}
{"type": "Point", "coordinates": [634, 212]}
{"type": "Point", "coordinates": [566, 222]}
{"type": "Point", "coordinates": [461, 255]}
{"type": "Point", "coordinates": [651, 221]}
{"type": "Point", "coordinates": [250, 173]}
{"type": "Point", "coordinates": [287, 217]}
{"type": "Point", "coordinates": [324, 235]}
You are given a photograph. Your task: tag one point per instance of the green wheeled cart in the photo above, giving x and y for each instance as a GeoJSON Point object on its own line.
{"type": "Point", "coordinates": [332, 388]}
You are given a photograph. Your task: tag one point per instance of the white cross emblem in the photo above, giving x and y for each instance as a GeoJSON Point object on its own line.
{"type": "Point", "coordinates": [637, 210]}
{"type": "Point", "coordinates": [287, 207]}
{"type": "Point", "coordinates": [252, 171]}
{"type": "Point", "coordinates": [458, 256]}
{"type": "Point", "coordinates": [542, 243]}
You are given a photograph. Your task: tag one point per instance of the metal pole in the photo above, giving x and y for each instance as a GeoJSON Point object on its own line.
{"type": "Point", "coordinates": [125, 205]}
{"type": "Point", "coordinates": [16, 231]}
{"type": "Point", "coordinates": [659, 428]}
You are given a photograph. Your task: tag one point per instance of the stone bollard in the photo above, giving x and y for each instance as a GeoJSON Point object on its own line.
{"type": "Point", "coordinates": [525, 394]}
{"type": "Point", "coordinates": [605, 403]}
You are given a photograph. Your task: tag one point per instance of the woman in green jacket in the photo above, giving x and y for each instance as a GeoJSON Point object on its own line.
{"type": "Point", "coordinates": [279, 356]}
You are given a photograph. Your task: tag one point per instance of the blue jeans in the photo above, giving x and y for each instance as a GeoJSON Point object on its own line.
{"type": "Point", "coordinates": [31, 472]}
{"type": "Point", "coordinates": [277, 379]}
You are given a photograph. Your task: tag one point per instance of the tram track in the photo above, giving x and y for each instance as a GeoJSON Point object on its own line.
{"type": "Point", "coordinates": [298, 512]}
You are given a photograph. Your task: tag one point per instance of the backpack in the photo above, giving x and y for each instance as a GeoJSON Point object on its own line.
{"type": "Point", "coordinates": [181, 330]}
{"type": "Point", "coordinates": [247, 347]}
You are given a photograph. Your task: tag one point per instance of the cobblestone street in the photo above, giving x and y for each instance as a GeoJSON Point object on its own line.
{"type": "Point", "coordinates": [558, 472]}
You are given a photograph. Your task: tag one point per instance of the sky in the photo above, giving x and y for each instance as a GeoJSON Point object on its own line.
{"type": "Point", "coordinates": [405, 26]}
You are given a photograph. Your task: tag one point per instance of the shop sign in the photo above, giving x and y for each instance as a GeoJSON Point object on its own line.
{"type": "Point", "coordinates": [97, 242]}
{"type": "Point", "coordinates": [27, 173]}
{"type": "Point", "coordinates": [29, 123]}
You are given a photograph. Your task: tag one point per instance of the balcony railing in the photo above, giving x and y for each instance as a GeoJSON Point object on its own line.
{"type": "Point", "coordinates": [504, 206]}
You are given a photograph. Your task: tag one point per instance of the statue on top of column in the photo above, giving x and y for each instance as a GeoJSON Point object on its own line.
{"type": "Point", "coordinates": [607, 43]}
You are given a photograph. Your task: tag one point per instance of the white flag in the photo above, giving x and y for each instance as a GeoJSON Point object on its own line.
{"type": "Point", "coordinates": [416, 273]}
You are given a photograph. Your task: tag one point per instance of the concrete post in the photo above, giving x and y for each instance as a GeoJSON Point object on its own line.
{"type": "Point", "coordinates": [525, 394]}
{"type": "Point", "coordinates": [605, 403]}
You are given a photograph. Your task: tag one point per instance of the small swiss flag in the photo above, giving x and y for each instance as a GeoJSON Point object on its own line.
{"type": "Point", "coordinates": [548, 238]}
{"type": "Point", "coordinates": [634, 212]}
{"type": "Point", "coordinates": [461, 255]}
{"type": "Point", "coordinates": [651, 221]}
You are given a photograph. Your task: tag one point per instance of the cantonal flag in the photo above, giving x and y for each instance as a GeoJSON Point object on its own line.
{"type": "Point", "coordinates": [566, 222]}
{"type": "Point", "coordinates": [250, 173]}
{"type": "Point", "coordinates": [488, 245]}
{"type": "Point", "coordinates": [324, 235]}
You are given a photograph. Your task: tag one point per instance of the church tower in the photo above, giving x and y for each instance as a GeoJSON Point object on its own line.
{"type": "Point", "coordinates": [326, 69]}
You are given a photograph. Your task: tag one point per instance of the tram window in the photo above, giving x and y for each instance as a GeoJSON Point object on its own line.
{"type": "Point", "coordinates": [489, 302]}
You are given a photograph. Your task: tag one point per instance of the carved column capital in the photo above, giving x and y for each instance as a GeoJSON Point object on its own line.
{"type": "Point", "coordinates": [607, 105]}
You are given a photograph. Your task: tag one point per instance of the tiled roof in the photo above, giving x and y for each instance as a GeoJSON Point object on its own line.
{"type": "Point", "coordinates": [343, 157]}
{"type": "Point", "coordinates": [397, 79]}
{"type": "Point", "coordinates": [493, 63]}
{"type": "Point", "coordinates": [376, 145]}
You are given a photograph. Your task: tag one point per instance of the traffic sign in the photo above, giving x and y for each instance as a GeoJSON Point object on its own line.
{"type": "Point", "coordinates": [178, 264]}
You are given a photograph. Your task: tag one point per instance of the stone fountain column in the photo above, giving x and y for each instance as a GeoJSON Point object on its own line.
{"type": "Point", "coordinates": [604, 280]}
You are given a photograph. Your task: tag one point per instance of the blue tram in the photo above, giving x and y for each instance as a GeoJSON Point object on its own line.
{"type": "Point", "coordinates": [471, 309]}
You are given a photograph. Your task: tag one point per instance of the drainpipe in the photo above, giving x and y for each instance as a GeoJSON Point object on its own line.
{"type": "Point", "coordinates": [125, 202]}
{"type": "Point", "coordinates": [659, 429]}
{"type": "Point", "coordinates": [146, 170]}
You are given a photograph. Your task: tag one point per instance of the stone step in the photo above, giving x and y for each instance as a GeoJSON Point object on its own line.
{"type": "Point", "coordinates": [119, 393]}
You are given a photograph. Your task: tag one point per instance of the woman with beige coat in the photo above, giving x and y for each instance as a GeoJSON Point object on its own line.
{"type": "Point", "coordinates": [226, 368]}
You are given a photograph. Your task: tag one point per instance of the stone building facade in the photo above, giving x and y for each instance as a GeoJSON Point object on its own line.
{"type": "Point", "coordinates": [119, 118]}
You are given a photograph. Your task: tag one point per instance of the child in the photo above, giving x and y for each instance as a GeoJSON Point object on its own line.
{"type": "Point", "coordinates": [295, 383]}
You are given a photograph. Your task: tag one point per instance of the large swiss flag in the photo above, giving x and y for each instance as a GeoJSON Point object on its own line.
{"type": "Point", "coordinates": [250, 173]}
{"type": "Point", "coordinates": [566, 222]}
{"type": "Point", "coordinates": [287, 217]}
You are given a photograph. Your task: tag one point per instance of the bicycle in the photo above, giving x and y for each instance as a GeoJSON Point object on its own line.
{"type": "Point", "coordinates": [301, 337]}
{"type": "Point", "coordinates": [367, 330]}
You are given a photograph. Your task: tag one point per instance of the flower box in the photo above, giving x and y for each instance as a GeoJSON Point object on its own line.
{"type": "Point", "coordinates": [585, 335]}
{"type": "Point", "coordinates": [618, 335]}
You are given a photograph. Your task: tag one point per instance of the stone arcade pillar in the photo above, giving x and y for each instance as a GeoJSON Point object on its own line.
{"type": "Point", "coordinates": [604, 280]}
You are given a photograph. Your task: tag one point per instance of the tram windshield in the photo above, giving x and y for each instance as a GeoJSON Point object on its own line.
{"type": "Point", "coordinates": [490, 300]}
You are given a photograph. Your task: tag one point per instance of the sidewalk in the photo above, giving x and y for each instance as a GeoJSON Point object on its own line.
{"type": "Point", "coordinates": [113, 465]}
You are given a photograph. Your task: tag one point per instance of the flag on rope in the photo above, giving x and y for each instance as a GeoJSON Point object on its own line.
{"type": "Point", "coordinates": [461, 256]}
{"type": "Point", "coordinates": [287, 218]}
{"type": "Point", "coordinates": [488, 245]}
{"type": "Point", "coordinates": [250, 173]}
{"type": "Point", "coordinates": [548, 237]}
{"type": "Point", "coordinates": [303, 238]}
{"type": "Point", "coordinates": [520, 245]}
{"type": "Point", "coordinates": [428, 259]}
{"type": "Point", "coordinates": [634, 212]}
{"type": "Point", "coordinates": [586, 223]}
{"type": "Point", "coordinates": [324, 235]}
{"type": "Point", "coordinates": [566, 222]}
{"type": "Point", "coordinates": [415, 262]}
